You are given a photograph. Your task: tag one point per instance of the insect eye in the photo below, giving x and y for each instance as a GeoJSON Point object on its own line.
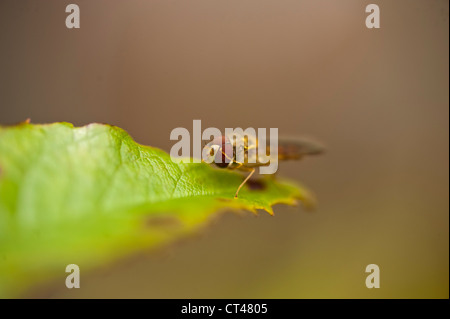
{"type": "Point", "coordinates": [221, 165]}
{"type": "Point", "coordinates": [220, 152]}
{"type": "Point", "coordinates": [224, 156]}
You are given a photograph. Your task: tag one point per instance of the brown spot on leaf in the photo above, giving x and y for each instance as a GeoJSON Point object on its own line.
{"type": "Point", "coordinates": [162, 222]}
{"type": "Point", "coordinates": [220, 199]}
{"type": "Point", "coordinates": [256, 185]}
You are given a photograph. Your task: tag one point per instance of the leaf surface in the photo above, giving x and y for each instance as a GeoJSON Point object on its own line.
{"type": "Point", "coordinates": [89, 195]}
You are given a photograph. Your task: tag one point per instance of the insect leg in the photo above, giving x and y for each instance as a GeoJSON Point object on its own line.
{"type": "Point", "coordinates": [239, 165]}
{"type": "Point", "coordinates": [243, 183]}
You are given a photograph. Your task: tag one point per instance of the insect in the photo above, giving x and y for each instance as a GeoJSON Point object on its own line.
{"type": "Point", "coordinates": [240, 152]}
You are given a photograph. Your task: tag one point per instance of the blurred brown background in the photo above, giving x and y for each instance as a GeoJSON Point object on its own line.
{"type": "Point", "coordinates": [377, 98]}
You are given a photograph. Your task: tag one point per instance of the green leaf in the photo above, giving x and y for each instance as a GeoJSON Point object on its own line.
{"type": "Point", "coordinates": [89, 195]}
